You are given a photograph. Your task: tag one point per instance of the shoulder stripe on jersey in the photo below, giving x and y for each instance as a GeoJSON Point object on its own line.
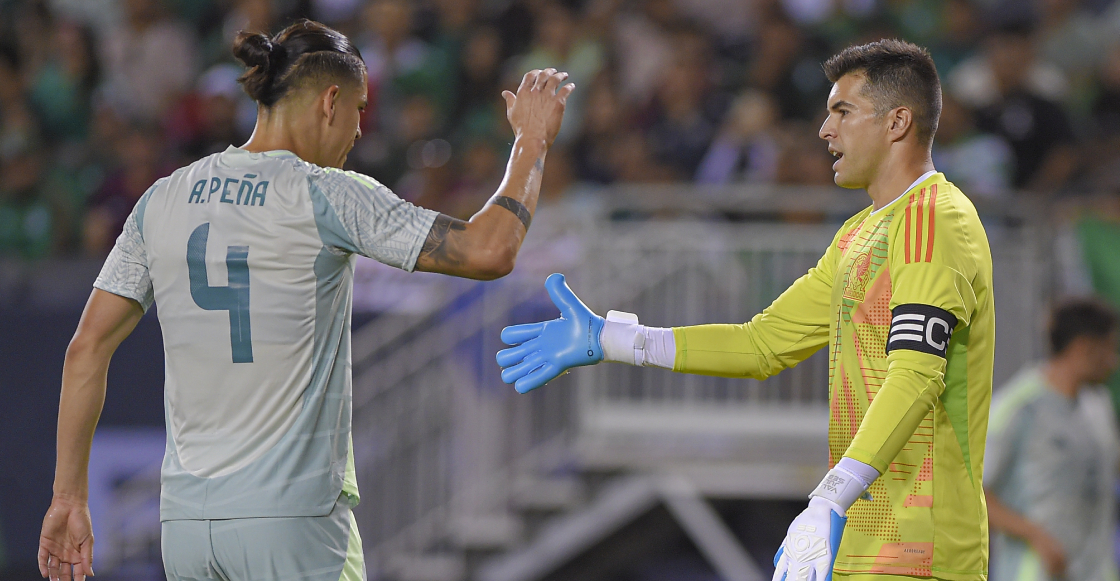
{"type": "Point", "coordinates": [919, 234]}
{"type": "Point", "coordinates": [932, 203]}
{"type": "Point", "coordinates": [907, 237]}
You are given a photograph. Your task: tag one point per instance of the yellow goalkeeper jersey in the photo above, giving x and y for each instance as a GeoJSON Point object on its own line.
{"type": "Point", "coordinates": [903, 299]}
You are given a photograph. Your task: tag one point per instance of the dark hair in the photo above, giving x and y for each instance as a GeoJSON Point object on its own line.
{"type": "Point", "coordinates": [1081, 317]}
{"type": "Point", "coordinates": [898, 74]}
{"type": "Point", "coordinates": [305, 51]}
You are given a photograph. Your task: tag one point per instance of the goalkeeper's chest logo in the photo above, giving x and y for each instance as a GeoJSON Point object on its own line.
{"type": "Point", "coordinates": [864, 252]}
{"type": "Point", "coordinates": [859, 276]}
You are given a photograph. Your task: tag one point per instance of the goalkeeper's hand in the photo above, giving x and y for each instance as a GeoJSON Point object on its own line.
{"type": "Point", "coordinates": [545, 350]}
{"type": "Point", "coordinates": [809, 550]}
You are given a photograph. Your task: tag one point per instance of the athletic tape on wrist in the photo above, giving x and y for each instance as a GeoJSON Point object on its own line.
{"type": "Point", "coordinates": [841, 487]}
{"type": "Point", "coordinates": [622, 339]}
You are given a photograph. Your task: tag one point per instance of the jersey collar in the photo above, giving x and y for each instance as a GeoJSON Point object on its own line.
{"type": "Point", "coordinates": [280, 153]}
{"type": "Point", "coordinates": [920, 179]}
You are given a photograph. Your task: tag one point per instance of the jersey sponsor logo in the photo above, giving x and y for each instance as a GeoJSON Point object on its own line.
{"type": "Point", "coordinates": [919, 226]}
{"type": "Point", "coordinates": [922, 328]}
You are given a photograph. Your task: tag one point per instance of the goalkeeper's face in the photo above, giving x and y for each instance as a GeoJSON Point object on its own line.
{"type": "Point", "coordinates": [856, 135]}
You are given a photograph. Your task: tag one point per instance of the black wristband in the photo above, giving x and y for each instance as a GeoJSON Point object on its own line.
{"type": "Point", "coordinates": [516, 207]}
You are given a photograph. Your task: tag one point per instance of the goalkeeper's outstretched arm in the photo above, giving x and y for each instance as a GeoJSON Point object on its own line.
{"type": "Point", "coordinates": [791, 329]}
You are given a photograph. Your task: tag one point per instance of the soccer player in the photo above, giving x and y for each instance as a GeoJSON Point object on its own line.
{"type": "Point", "coordinates": [1053, 456]}
{"type": "Point", "coordinates": [902, 298]}
{"type": "Point", "coordinates": [249, 254]}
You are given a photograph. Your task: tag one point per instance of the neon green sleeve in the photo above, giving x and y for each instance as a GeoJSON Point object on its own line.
{"type": "Point", "coordinates": [791, 329]}
{"type": "Point", "coordinates": [914, 382]}
{"type": "Point", "coordinates": [940, 277]}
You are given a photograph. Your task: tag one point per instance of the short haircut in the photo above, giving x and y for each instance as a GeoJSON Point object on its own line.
{"type": "Point", "coordinates": [305, 52]}
{"type": "Point", "coordinates": [1080, 317]}
{"type": "Point", "coordinates": [897, 74]}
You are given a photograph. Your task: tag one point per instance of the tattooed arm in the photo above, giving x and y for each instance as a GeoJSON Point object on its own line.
{"type": "Point", "coordinates": [485, 247]}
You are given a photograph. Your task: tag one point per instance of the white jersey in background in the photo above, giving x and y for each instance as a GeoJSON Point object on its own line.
{"type": "Point", "coordinates": [249, 257]}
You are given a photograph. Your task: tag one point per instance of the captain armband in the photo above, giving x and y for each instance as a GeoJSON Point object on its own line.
{"type": "Point", "coordinates": [922, 328]}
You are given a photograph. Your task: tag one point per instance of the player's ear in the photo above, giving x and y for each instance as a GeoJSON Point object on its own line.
{"type": "Point", "coordinates": [329, 101]}
{"type": "Point", "coordinates": [900, 121]}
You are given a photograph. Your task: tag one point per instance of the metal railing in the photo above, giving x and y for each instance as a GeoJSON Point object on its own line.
{"type": "Point", "coordinates": [440, 441]}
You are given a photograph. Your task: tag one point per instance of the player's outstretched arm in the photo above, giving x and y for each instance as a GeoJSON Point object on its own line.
{"type": "Point", "coordinates": [66, 543]}
{"type": "Point", "coordinates": [485, 247]}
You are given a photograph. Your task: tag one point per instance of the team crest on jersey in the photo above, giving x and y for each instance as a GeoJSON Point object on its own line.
{"type": "Point", "coordinates": [859, 276]}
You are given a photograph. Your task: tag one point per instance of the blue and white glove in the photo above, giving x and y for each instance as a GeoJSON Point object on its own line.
{"type": "Point", "coordinates": [809, 550]}
{"type": "Point", "coordinates": [545, 350]}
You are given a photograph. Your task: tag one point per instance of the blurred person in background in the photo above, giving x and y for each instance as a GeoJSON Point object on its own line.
{"type": "Point", "coordinates": [150, 61]}
{"type": "Point", "coordinates": [258, 476]}
{"type": "Point", "coordinates": [960, 34]}
{"type": "Point", "coordinates": [27, 219]}
{"type": "Point", "coordinates": [786, 63]}
{"type": "Point", "coordinates": [747, 147]}
{"type": "Point", "coordinates": [480, 76]}
{"type": "Point", "coordinates": [559, 42]}
{"type": "Point", "coordinates": [401, 65]}
{"type": "Point", "coordinates": [642, 46]}
{"type": "Point", "coordinates": [62, 88]}
{"type": "Point", "coordinates": [216, 115]}
{"type": "Point", "coordinates": [139, 162]}
{"type": "Point", "coordinates": [19, 128]}
{"type": "Point", "coordinates": [1017, 98]}
{"type": "Point", "coordinates": [604, 120]}
{"type": "Point", "coordinates": [1102, 149]}
{"type": "Point", "coordinates": [1052, 463]}
{"type": "Point", "coordinates": [679, 130]}
{"type": "Point", "coordinates": [980, 162]}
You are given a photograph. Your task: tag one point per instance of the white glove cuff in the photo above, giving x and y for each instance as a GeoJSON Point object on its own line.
{"type": "Point", "coordinates": [841, 487]}
{"type": "Point", "coordinates": [622, 339]}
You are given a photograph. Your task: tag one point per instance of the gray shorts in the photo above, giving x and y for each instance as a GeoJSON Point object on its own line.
{"type": "Point", "coordinates": [323, 548]}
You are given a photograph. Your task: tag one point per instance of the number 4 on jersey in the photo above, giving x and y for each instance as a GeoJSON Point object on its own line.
{"type": "Point", "coordinates": [233, 298]}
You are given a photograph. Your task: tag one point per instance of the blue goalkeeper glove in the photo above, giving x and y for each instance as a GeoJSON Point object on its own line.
{"type": "Point", "coordinates": [809, 550]}
{"type": "Point", "coordinates": [545, 350]}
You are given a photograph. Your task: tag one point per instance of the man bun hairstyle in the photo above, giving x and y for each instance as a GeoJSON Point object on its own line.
{"type": "Point", "coordinates": [896, 74]}
{"type": "Point", "coordinates": [305, 52]}
{"type": "Point", "coordinates": [1080, 317]}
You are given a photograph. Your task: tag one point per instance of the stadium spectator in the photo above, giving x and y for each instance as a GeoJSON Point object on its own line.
{"type": "Point", "coordinates": [19, 129]}
{"type": "Point", "coordinates": [1052, 459]}
{"type": "Point", "coordinates": [26, 218]}
{"type": "Point", "coordinates": [1036, 126]}
{"type": "Point", "coordinates": [786, 65]}
{"type": "Point", "coordinates": [747, 146]}
{"type": "Point", "coordinates": [681, 130]}
{"type": "Point", "coordinates": [976, 161]}
{"type": "Point", "coordinates": [150, 61]}
{"type": "Point", "coordinates": [62, 88]}
{"type": "Point", "coordinates": [557, 43]}
{"type": "Point", "coordinates": [139, 164]}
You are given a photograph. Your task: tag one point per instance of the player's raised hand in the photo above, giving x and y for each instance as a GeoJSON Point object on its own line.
{"type": "Point", "coordinates": [66, 543]}
{"type": "Point", "coordinates": [544, 350]}
{"type": "Point", "coordinates": [537, 108]}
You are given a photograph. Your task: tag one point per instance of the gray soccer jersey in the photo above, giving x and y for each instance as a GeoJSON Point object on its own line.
{"type": "Point", "coordinates": [1054, 460]}
{"type": "Point", "coordinates": [249, 258]}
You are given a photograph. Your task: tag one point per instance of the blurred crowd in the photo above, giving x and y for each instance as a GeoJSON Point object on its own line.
{"type": "Point", "coordinates": [99, 98]}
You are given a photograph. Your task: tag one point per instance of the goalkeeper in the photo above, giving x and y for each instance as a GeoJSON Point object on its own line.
{"type": "Point", "coordinates": [902, 298]}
